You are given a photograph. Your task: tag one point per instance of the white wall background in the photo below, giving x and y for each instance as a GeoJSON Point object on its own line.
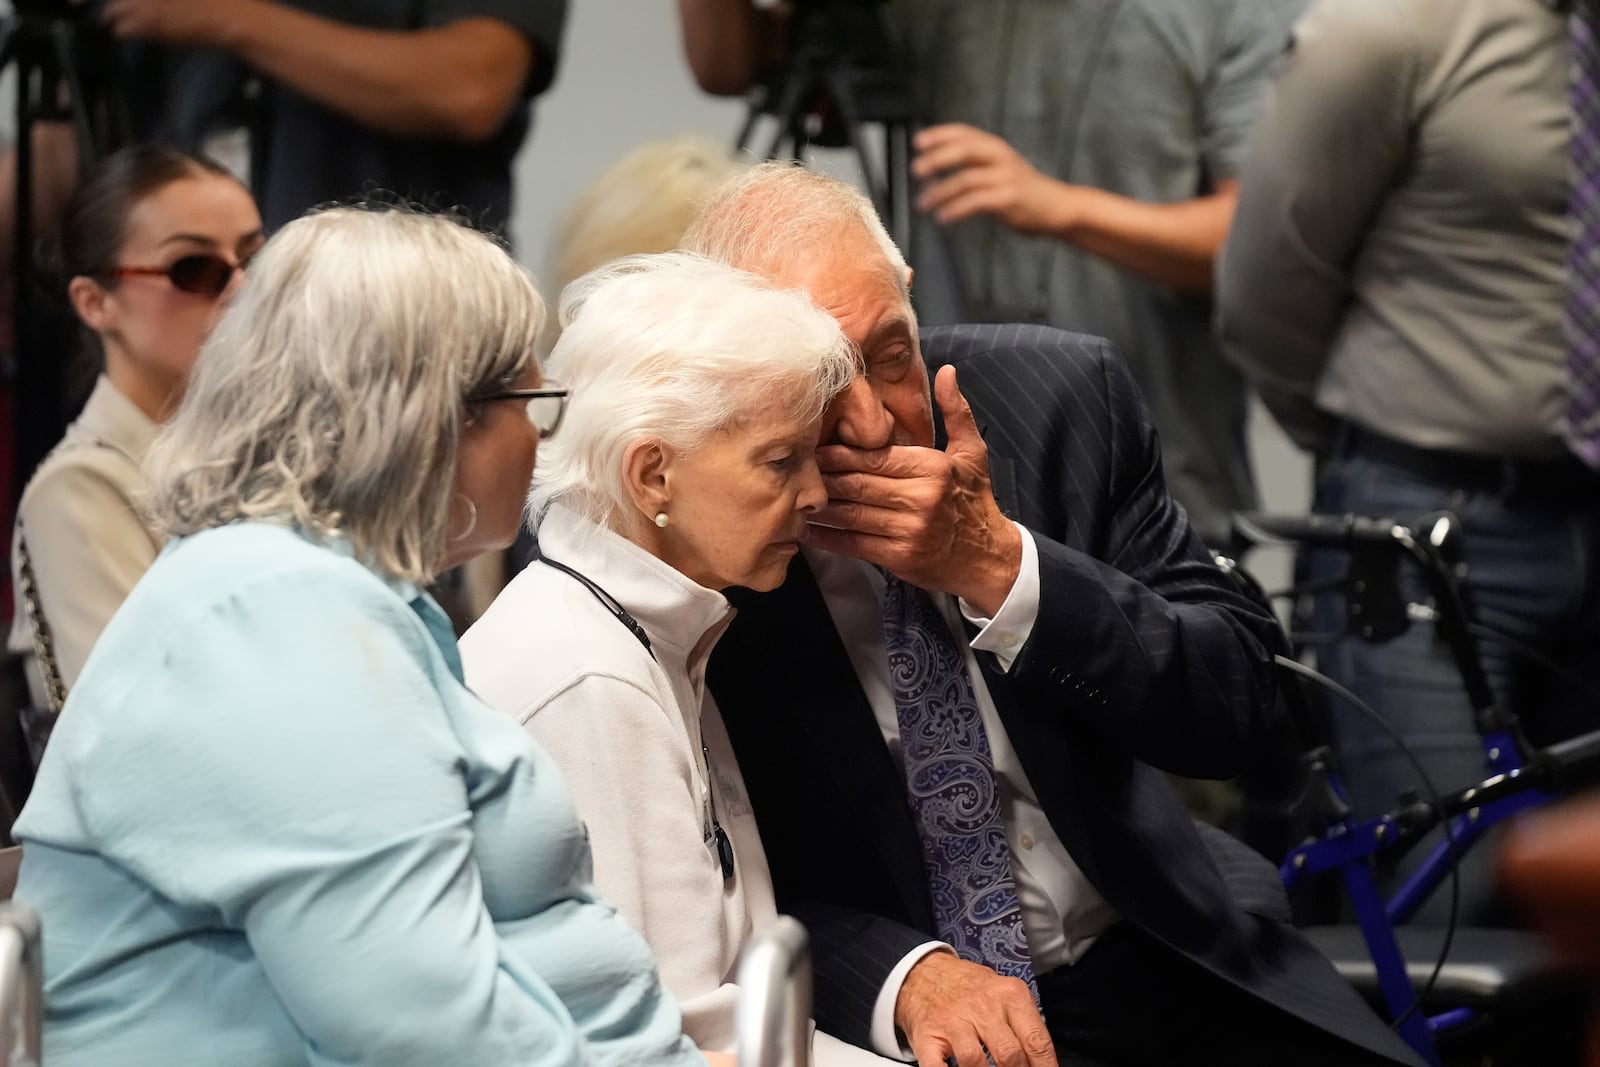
{"type": "Point", "coordinates": [622, 80]}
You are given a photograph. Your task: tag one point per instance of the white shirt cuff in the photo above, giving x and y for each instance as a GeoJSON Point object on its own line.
{"type": "Point", "coordinates": [885, 1041]}
{"type": "Point", "coordinates": [1006, 633]}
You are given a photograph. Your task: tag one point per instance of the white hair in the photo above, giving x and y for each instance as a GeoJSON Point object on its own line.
{"type": "Point", "coordinates": [779, 213]}
{"type": "Point", "coordinates": [674, 347]}
{"type": "Point", "coordinates": [333, 389]}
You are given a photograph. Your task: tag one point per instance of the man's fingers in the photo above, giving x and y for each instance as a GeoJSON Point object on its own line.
{"type": "Point", "coordinates": [1004, 1048]}
{"type": "Point", "coordinates": [945, 132]}
{"type": "Point", "coordinates": [865, 547]}
{"type": "Point", "coordinates": [879, 490]}
{"type": "Point", "coordinates": [860, 518]}
{"type": "Point", "coordinates": [895, 461]}
{"type": "Point", "coordinates": [949, 155]}
{"type": "Point", "coordinates": [984, 201]}
{"type": "Point", "coordinates": [968, 1050]}
{"type": "Point", "coordinates": [1037, 1048]}
{"type": "Point", "coordinates": [959, 424]}
{"type": "Point", "coordinates": [930, 1052]}
{"type": "Point", "coordinates": [962, 185]}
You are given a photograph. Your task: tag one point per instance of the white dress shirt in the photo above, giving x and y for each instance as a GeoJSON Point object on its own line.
{"type": "Point", "coordinates": [1061, 912]}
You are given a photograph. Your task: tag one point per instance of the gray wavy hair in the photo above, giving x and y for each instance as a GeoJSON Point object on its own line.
{"type": "Point", "coordinates": [333, 390]}
{"type": "Point", "coordinates": [779, 213]}
{"type": "Point", "coordinates": [675, 347]}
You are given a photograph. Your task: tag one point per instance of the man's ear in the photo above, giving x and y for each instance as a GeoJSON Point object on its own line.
{"type": "Point", "coordinates": [647, 476]}
{"type": "Point", "coordinates": [91, 302]}
{"type": "Point", "coordinates": [911, 275]}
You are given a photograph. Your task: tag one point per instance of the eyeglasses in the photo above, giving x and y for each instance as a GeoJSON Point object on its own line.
{"type": "Point", "coordinates": [203, 274]}
{"type": "Point", "coordinates": [545, 406]}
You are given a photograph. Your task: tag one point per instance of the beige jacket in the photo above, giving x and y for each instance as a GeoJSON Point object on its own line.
{"type": "Point", "coordinates": [86, 537]}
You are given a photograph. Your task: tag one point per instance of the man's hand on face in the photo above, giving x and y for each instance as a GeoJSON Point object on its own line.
{"type": "Point", "coordinates": [949, 1007]}
{"type": "Point", "coordinates": [927, 516]}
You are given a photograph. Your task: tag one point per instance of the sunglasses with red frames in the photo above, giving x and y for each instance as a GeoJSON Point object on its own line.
{"type": "Point", "coordinates": [203, 273]}
{"type": "Point", "coordinates": [545, 406]}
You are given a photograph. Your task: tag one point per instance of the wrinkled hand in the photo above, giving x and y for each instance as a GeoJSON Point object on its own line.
{"type": "Point", "coordinates": [928, 516]}
{"type": "Point", "coordinates": [969, 172]}
{"type": "Point", "coordinates": [188, 22]}
{"type": "Point", "coordinates": [949, 1007]}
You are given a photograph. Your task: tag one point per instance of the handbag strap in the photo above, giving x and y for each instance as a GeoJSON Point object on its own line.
{"type": "Point", "coordinates": [44, 648]}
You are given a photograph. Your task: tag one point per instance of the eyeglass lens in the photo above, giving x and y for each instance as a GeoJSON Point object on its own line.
{"type": "Point", "coordinates": [204, 274]}
{"type": "Point", "coordinates": [546, 412]}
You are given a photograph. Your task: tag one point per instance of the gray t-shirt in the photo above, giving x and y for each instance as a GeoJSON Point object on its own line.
{"type": "Point", "coordinates": [1399, 250]}
{"type": "Point", "coordinates": [1150, 99]}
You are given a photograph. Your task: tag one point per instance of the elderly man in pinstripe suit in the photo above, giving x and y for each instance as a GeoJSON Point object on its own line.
{"type": "Point", "coordinates": [1014, 850]}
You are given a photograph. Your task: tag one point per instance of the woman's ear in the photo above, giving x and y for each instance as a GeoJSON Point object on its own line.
{"type": "Point", "coordinates": [647, 477]}
{"type": "Point", "coordinates": [91, 301]}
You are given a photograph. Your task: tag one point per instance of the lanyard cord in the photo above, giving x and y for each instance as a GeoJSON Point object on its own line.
{"type": "Point", "coordinates": [715, 835]}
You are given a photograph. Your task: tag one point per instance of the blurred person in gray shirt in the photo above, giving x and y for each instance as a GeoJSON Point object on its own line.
{"type": "Point", "coordinates": [1394, 282]}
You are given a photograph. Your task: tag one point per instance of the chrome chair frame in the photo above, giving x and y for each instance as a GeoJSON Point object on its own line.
{"type": "Point", "coordinates": [772, 1019]}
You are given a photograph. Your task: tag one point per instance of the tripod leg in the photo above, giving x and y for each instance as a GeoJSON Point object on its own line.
{"type": "Point", "coordinates": [842, 91]}
{"type": "Point", "coordinates": [747, 131]}
{"type": "Point", "coordinates": [64, 49]}
{"type": "Point", "coordinates": [32, 421]}
{"type": "Point", "coordinates": [791, 116]}
{"type": "Point", "coordinates": [897, 188]}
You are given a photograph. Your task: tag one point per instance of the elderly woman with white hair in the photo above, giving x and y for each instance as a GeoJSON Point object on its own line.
{"type": "Point", "coordinates": [686, 466]}
{"type": "Point", "coordinates": [273, 826]}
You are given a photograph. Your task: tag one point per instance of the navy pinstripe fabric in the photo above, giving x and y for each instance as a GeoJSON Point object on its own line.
{"type": "Point", "coordinates": [1144, 655]}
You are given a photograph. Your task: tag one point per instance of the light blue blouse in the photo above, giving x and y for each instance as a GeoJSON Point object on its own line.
{"type": "Point", "coordinates": [272, 827]}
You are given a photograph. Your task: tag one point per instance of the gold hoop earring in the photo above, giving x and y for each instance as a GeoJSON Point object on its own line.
{"type": "Point", "coordinates": [472, 519]}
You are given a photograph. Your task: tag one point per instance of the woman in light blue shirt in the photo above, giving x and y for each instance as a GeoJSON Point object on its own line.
{"type": "Point", "coordinates": [272, 826]}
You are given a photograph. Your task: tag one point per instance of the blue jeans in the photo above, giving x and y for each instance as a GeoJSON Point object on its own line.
{"type": "Point", "coordinates": [1532, 558]}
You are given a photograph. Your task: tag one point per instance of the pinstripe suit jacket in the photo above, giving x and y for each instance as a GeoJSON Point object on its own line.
{"type": "Point", "coordinates": [1144, 655]}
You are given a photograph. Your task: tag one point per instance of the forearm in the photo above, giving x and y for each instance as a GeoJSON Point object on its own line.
{"type": "Point", "coordinates": [1171, 244]}
{"type": "Point", "coordinates": [456, 82]}
{"type": "Point", "coordinates": [727, 42]}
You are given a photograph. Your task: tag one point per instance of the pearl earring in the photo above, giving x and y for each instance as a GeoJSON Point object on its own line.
{"type": "Point", "coordinates": [661, 519]}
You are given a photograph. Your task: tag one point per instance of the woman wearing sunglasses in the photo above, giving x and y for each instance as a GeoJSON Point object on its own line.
{"type": "Point", "coordinates": [273, 827]}
{"type": "Point", "coordinates": [151, 243]}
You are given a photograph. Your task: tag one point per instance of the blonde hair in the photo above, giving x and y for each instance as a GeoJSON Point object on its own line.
{"type": "Point", "coordinates": [641, 203]}
{"type": "Point", "coordinates": [674, 347]}
{"type": "Point", "coordinates": [332, 391]}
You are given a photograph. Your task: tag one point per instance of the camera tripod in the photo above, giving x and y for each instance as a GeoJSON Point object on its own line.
{"type": "Point", "coordinates": [840, 76]}
{"type": "Point", "coordinates": [66, 72]}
